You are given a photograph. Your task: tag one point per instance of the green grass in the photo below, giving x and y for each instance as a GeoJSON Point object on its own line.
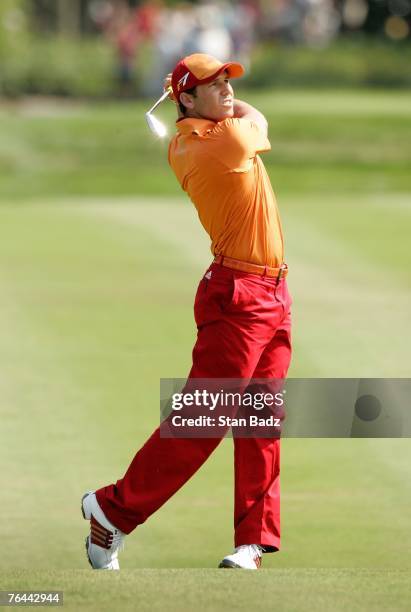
{"type": "Point", "coordinates": [328, 143]}
{"type": "Point", "coordinates": [210, 590]}
{"type": "Point", "coordinates": [96, 305]}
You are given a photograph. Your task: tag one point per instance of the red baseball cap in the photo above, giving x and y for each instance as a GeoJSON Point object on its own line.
{"type": "Point", "coordinates": [198, 69]}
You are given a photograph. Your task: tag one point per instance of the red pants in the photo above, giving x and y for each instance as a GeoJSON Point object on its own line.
{"type": "Point", "coordinates": [244, 327]}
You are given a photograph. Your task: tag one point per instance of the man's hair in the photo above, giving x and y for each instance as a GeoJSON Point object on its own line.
{"type": "Point", "coordinates": [191, 91]}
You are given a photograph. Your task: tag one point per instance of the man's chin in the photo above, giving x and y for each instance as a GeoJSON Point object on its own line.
{"type": "Point", "coordinates": [226, 113]}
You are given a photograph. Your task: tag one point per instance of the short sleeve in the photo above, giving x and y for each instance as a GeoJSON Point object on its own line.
{"type": "Point", "coordinates": [239, 140]}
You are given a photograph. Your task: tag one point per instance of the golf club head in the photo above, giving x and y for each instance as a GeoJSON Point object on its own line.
{"type": "Point", "coordinates": [158, 128]}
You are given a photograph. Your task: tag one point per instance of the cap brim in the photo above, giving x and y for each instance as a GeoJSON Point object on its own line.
{"type": "Point", "coordinates": [234, 70]}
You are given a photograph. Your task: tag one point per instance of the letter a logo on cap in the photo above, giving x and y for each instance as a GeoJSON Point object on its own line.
{"type": "Point", "coordinates": [183, 81]}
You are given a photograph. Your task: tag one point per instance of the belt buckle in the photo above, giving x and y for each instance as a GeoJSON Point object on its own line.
{"type": "Point", "coordinates": [281, 272]}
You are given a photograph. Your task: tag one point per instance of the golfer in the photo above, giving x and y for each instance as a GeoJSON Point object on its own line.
{"type": "Point", "coordinates": [242, 312]}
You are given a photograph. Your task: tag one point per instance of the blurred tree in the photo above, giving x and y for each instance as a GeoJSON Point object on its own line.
{"type": "Point", "coordinates": [68, 17]}
{"type": "Point", "coordinates": [71, 17]}
{"type": "Point", "coordinates": [378, 11]}
{"type": "Point", "coordinates": [13, 24]}
{"type": "Point", "coordinates": [43, 15]}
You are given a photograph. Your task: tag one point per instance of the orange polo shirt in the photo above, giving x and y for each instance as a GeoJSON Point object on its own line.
{"type": "Point", "coordinates": [218, 166]}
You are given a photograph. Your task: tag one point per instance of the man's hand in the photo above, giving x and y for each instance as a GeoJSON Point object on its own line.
{"type": "Point", "coordinates": [242, 110]}
{"type": "Point", "coordinates": [167, 85]}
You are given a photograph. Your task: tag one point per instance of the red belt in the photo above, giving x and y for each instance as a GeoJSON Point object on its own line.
{"type": "Point", "coordinates": [244, 266]}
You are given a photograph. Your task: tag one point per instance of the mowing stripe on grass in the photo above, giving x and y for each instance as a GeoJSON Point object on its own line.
{"type": "Point", "coordinates": [334, 289]}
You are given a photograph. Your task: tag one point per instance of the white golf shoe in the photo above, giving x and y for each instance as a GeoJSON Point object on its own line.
{"type": "Point", "coordinates": [247, 556]}
{"type": "Point", "coordinates": [105, 540]}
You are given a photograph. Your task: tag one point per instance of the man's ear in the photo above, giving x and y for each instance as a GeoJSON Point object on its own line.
{"type": "Point", "coordinates": [187, 100]}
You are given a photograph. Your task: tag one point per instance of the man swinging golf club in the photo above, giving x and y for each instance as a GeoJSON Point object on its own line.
{"type": "Point", "coordinates": [242, 311]}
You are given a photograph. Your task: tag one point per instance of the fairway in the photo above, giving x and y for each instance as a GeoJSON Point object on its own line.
{"type": "Point", "coordinates": [90, 322]}
{"type": "Point", "coordinates": [209, 590]}
{"type": "Point", "coordinates": [97, 281]}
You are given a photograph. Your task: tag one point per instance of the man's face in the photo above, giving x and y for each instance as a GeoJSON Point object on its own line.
{"type": "Point", "coordinates": [213, 100]}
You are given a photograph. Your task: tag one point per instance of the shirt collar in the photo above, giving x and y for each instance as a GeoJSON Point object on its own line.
{"type": "Point", "coordinates": [192, 125]}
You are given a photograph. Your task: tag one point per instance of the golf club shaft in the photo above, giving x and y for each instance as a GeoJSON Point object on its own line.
{"type": "Point", "coordinates": [160, 100]}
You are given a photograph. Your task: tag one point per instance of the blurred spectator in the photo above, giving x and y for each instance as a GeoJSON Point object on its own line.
{"type": "Point", "coordinates": [227, 28]}
{"type": "Point", "coordinates": [354, 13]}
{"type": "Point", "coordinates": [127, 29]}
{"type": "Point", "coordinates": [186, 29]}
{"type": "Point", "coordinates": [321, 22]}
{"type": "Point", "coordinates": [209, 33]}
{"type": "Point", "coordinates": [313, 22]}
{"type": "Point", "coordinates": [243, 20]}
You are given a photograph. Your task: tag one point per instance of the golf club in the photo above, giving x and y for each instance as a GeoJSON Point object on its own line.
{"type": "Point", "coordinates": [156, 126]}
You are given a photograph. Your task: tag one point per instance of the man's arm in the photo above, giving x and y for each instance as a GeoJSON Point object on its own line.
{"type": "Point", "coordinates": [242, 110]}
